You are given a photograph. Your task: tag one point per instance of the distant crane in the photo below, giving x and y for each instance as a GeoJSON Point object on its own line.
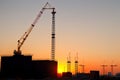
{"type": "Point", "coordinates": [76, 64]}
{"type": "Point", "coordinates": [103, 66]}
{"type": "Point", "coordinates": [83, 68]}
{"type": "Point", "coordinates": [112, 67]}
{"type": "Point", "coordinates": [26, 34]}
{"type": "Point", "coordinates": [69, 63]}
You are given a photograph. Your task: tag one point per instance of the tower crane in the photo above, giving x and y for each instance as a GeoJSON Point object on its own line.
{"type": "Point", "coordinates": [112, 67]}
{"type": "Point", "coordinates": [83, 67]}
{"type": "Point", "coordinates": [76, 64]}
{"type": "Point", "coordinates": [26, 34]}
{"type": "Point", "coordinates": [69, 63]}
{"type": "Point", "coordinates": [103, 66]}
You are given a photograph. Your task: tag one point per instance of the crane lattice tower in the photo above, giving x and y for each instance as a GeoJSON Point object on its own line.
{"type": "Point", "coordinates": [69, 63]}
{"type": "Point", "coordinates": [76, 64]}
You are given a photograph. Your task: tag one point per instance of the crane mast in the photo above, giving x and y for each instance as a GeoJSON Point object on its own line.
{"type": "Point", "coordinates": [103, 66]}
{"type": "Point", "coordinates": [26, 34]}
{"type": "Point", "coordinates": [53, 35]}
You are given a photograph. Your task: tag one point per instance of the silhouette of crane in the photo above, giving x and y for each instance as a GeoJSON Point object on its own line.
{"type": "Point", "coordinates": [53, 35]}
{"type": "Point", "coordinates": [26, 34]}
{"type": "Point", "coordinates": [103, 66]}
{"type": "Point", "coordinates": [83, 68]}
{"type": "Point", "coordinates": [76, 63]}
{"type": "Point", "coordinates": [69, 63]}
{"type": "Point", "coordinates": [112, 67]}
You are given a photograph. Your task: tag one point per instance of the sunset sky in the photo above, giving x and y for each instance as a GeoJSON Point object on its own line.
{"type": "Point", "coordinates": [90, 28]}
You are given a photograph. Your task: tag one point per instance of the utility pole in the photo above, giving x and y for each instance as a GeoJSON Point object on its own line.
{"type": "Point", "coordinates": [112, 67]}
{"type": "Point", "coordinates": [83, 68]}
{"type": "Point", "coordinates": [103, 67]}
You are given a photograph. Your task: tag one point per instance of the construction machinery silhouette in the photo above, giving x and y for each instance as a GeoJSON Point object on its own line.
{"type": "Point", "coordinates": [26, 34]}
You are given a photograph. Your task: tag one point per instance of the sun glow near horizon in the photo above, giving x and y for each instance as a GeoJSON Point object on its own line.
{"type": "Point", "coordinates": [61, 69]}
{"type": "Point", "coordinates": [88, 29]}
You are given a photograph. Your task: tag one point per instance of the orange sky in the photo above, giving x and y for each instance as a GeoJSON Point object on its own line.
{"type": "Point", "coordinates": [89, 28]}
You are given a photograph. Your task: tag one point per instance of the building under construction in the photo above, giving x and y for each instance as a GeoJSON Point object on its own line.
{"type": "Point", "coordinates": [24, 67]}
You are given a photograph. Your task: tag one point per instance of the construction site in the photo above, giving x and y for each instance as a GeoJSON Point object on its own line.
{"type": "Point", "coordinates": [22, 66]}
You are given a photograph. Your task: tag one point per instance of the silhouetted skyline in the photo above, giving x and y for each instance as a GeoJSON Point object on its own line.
{"type": "Point", "coordinates": [88, 27]}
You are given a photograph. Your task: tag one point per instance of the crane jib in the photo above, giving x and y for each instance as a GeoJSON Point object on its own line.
{"type": "Point", "coordinates": [26, 34]}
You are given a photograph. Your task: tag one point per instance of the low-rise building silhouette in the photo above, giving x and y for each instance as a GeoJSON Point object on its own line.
{"type": "Point", "coordinates": [24, 67]}
{"type": "Point", "coordinates": [94, 75]}
{"type": "Point", "coordinates": [44, 68]}
{"type": "Point", "coordinates": [66, 74]}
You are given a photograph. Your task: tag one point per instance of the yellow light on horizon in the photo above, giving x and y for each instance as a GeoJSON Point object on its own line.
{"type": "Point", "coordinates": [61, 69]}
